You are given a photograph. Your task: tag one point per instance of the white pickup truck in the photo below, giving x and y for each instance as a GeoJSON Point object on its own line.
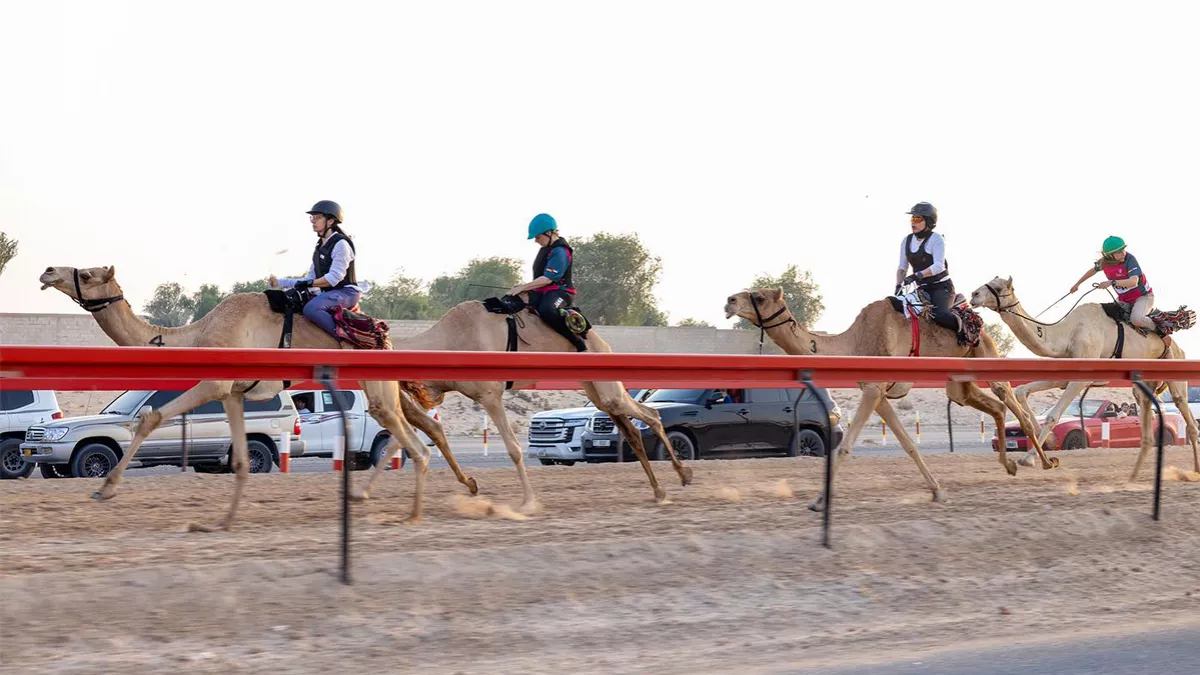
{"type": "Point", "coordinates": [321, 426]}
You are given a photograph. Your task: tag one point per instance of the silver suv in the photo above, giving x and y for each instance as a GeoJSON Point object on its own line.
{"type": "Point", "coordinates": [91, 446]}
{"type": "Point", "coordinates": [19, 410]}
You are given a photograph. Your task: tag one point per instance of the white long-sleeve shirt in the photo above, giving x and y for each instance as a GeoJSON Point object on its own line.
{"type": "Point", "coordinates": [342, 255]}
{"type": "Point", "coordinates": [935, 247]}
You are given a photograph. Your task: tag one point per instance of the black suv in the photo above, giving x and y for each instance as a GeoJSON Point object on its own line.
{"type": "Point", "coordinates": [710, 423]}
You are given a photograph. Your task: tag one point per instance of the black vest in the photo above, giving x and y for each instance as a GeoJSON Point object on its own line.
{"type": "Point", "coordinates": [922, 260]}
{"type": "Point", "coordinates": [323, 259]}
{"type": "Point", "coordinates": [539, 263]}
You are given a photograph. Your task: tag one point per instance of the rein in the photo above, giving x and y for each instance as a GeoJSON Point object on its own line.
{"type": "Point", "coordinates": [1009, 309]}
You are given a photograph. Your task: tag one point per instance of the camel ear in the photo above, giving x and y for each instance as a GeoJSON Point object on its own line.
{"type": "Point", "coordinates": [109, 273]}
{"type": "Point", "coordinates": [775, 294]}
{"type": "Point", "coordinates": [1010, 282]}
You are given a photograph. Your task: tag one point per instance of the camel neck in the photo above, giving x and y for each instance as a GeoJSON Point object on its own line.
{"type": "Point", "coordinates": [1037, 338]}
{"type": "Point", "coordinates": [127, 329]}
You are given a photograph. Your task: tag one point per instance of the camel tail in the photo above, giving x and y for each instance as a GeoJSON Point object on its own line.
{"type": "Point", "coordinates": [422, 395]}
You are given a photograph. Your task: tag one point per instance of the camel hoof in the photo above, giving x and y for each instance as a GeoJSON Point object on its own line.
{"type": "Point", "coordinates": [200, 527]}
{"type": "Point", "coordinates": [472, 486]}
{"type": "Point", "coordinates": [685, 475]}
{"type": "Point", "coordinates": [1011, 467]}
{"type": "Point", "coordinates": [1052, 464]}
{"type": "Point", "coordinates": [1025, 461]}
{"type": "Point", "coordinates": [412, 520]}
{"type": "Point", "coordinates": [358, 496]}
{"type": "Point", "coordinates": [100, 496]}
{"type": "Point", "coordinates": [817, 505]}
{"type": "Point", "coordinates": [530, 508]}
{"type": "Point", "coordinates": [940, 495]}
{"type": "Point", "coordinates": [660, 495]}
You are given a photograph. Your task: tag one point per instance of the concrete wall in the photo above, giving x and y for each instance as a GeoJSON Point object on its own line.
{"type": "Point", "coordinates": [81, 330]}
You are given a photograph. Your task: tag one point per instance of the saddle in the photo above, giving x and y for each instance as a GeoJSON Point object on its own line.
{"type": "Point", "coordinates": [1165, 322]}
{"type": "Point", "coordinates": [351, 325]}
{"type": "Point", "coordinates": [917, 305]}
{"type": "Point", "coordinates": [512, 305]}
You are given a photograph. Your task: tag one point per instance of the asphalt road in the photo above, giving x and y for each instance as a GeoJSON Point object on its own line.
{"type": "Point", "coordinates": [470, 453]}
{"type": "Point", "coordinates": [1142, 653]}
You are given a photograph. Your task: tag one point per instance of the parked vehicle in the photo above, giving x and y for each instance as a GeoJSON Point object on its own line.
{"type": "Point", "coordinates": [555, 436]}
{"type": "Point", "coordinates": [91, 446]}
{"type": "Point", "coordinates": [712, 423]}
{"type": "Point", "coordinates": [19, 410]}
{"type": "Point", "coordinates": [322, 426]}
{"type": "Point", "coordinates": [1071, 434]}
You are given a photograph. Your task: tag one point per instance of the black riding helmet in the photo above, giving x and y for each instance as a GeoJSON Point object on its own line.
{"type": "Point", "coordinates": [327, 208]}
{"type": "Point", "coordinates": [926, 211]}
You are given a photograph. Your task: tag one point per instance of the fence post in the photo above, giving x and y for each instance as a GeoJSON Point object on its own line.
{"type": "Point", "coordinates": [949, 424]}
{"type": "Point", "coordinates": [918, 426]}
{"type": "Point", "coordinates": [485, 430]}
{"type": "Point", "coordinates": [1136, 377]}
{"type": "Point", "coordinates": [327, 376]}
{"type": "Point", "coordinates": [285, 452]}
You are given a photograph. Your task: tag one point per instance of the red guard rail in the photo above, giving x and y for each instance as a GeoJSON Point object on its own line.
{"type": "Point", "coordinates": [41, 367]}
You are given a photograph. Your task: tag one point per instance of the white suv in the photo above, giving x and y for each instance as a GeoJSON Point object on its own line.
{"type": "Point", "coordinates": [19, 410]}
{"type": "Point", "coordinates": [322, 425]}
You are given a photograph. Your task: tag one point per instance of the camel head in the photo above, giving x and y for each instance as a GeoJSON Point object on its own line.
{"type": "Point", "coordinates": [95, 285]}
{"type": "Point", "coordinates": [769, 301]}
{"type": "Point", "coordinates": [994, 292]}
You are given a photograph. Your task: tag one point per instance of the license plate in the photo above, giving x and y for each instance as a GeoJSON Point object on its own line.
{"type": "Point", "coordinates": [1010, 444]}
{"type": "Point", "coordinates": [602, 444]}
{"type": "Point", "coordinates": [29, 452]}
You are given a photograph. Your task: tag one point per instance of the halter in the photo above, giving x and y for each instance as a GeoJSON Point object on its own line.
{"type": "Point", "coordinates": [762, 323]}
{"type": "Point", "coordinates": [92, 306]}
{"type": "Point", "coordinates": [997, 296]}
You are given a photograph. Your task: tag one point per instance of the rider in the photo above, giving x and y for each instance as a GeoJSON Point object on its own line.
{"type": "Point", "coordinates": [331, 274]}
{"type": "Point", "coordinates": [551, 290]}
{"type": "Point", "coordinates": [925, 251]}
{"type": "Point", "coordinates": [1124, 274]}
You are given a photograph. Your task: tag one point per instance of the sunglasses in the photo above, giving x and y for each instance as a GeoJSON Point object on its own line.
{"type": "Point", "coordinates": [918, 219]}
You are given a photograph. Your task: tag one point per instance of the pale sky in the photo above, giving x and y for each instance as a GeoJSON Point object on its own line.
{"type": "Point", "coordinates": [184, 140]}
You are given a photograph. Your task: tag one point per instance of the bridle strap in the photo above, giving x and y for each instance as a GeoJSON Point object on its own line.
{"type": "Point", "coordinates": [762, 323]}
{"type": "Point", "coordinates": [92, 306]}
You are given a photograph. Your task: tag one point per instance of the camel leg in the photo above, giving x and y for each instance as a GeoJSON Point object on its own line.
{"type": "Point", "coordinates": [1145, 415]}
{"type": "Point", "coordinates": [235, 407]}
{"type": "Point", "coordinates": [969, 394]}
{"type": "Point", "coordinates": [196, 396]}
{"type": "Point", "coordinates": [1022, 394]}
{"type": "Point", "coordinates": [1004, 392]}
{"type": "Point", "coordinates": [1070, 394]}
{"type": "Point", "coordinates": [618, 402]}
{"type": "Point", "coordinates": [889, 415]}
{"type": "Point", "coordinates": [872, 397]}
{"type": "Point", "coordinates": [383, 405]}
{"type": "Point", "coordinates": [493, 403]}
{"type": "Point", "coordinates": [433, 428]}
{"type": "Point", "coordinates": [634, 437]}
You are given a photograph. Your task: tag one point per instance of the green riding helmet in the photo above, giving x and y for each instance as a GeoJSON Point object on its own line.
{"type": "Point", "coordinates": [1112, 245]}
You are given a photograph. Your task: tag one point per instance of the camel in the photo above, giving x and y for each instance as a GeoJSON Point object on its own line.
{"type": "Point", "coordinates": [880, 330]}
{"type": "Point", "coordinates": [468, 326]}
{"type": "Point", "coordinates": [243, 320]}
{"type": "Point", "coordinates": [1086, 332]}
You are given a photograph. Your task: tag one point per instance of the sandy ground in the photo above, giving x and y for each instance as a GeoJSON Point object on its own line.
{"type": "Point", "coordinates": [728, 577]}
{"type": "Point", "coordinates": [462, 417]}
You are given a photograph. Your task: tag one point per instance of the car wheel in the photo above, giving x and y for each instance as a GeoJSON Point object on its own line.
{"type": "Point", "coordinates": [93, 461]}
{"type": "Point", "coordinates": [55, 470]}
{"type": "Point", "coordinates": [547, 462]}
{"type": "Point", "coordinates": [681, 443]}
{"type": "Point", "coordinates": [379, 447]}
{"type": "Point", "coordinates": [214, 467]}
{"type": "Point", "coordinates": [260, 457]}
{"type": "Point", "coordinates": [568, 462]}
{"type": "Point", "coordinates": [807, 443]}
{"type": "Point", "coordinates": [1075, 440]}
{"type": "Point", "coordinates": [12, 462]}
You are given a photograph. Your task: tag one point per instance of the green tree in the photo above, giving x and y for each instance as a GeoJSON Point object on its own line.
{"type": "Point", "coordinates": [205, 299]}
{"type": "Point", "coordinates": [481, 278]}
{"type": "Point", "coordinates": [402, 298]}
{"type": "Point", "coordinates": [252, 286]}
{"type": "Point", "coordinates": [8, 250]}
{"type": "Point", "coordinates": [616, 275]}
{"type": "Point", "coordinates": [170, 306]}
{"type": "Point", "coordinates": [799, 291]}
{"type": "Point", "coordinates": [694, 323]}
{"type": "Point", "coordinates": [1000, 335]}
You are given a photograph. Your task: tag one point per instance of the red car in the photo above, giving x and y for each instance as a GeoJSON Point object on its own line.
{"type": "Point", "coordinates": [1124, 432]}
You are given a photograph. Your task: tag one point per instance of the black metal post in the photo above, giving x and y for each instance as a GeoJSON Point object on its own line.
{"type": "Point", "coordinates": [183, 439]}
{"type": "Point", "coordinates": [326, 376]}
{"type": "Point", "coordinates": [950, 425]}
{"type": "Point", "coordinates": [1158, 464]}
{"type": "Point", "coordinates": [827, 428]}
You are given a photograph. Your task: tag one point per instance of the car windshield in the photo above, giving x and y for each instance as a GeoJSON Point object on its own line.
{"type": "Point", "coordinates": [1193, 395]}
{"type": "Point", "coordinates": [125, 404]}
{"type": "Point", "coordinates": [1090, 408]}
{"type": "Point", "coordinates": [675, 396]}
